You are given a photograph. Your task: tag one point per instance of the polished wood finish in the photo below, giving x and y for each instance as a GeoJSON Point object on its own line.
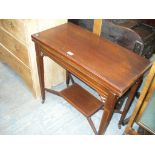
{"type": "Point", "coordinates": [131, 96]}
{"type": "Point", "coordinates": [97, 30]}
{"type": "Point", "coordinates": [108, 112]}
{"type": "Point", "coordinates": [126, 40]}
{"type": "Point", "coordinates": [142, 101]}
{"type": "Point", "coordinates": [108, 68]}
{"type": "Point", "coordinates": [105, 56]}
{"type": "Point", "coordinates": [39, 58]}
{"type": "Point", "coordinates": [81, 99]}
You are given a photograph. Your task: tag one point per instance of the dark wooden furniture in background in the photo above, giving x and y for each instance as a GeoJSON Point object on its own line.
{"type": "Point", "coordinates": [144, 112]}
{"type": "Point", "coordinates": [108, 68]}
{"type": "Point", "coordinates": [145, 30]}
{"type": "Point", "coordinates": [137, 35]}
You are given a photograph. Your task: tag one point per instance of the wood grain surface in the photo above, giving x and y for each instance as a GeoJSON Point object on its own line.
{"type": "Point", "coordinates": [17, 48]}
{"type": "Point", "coordinates": [105, 62]}
{"type": "Point", "coordinates": [15, 27]}
{"type": "Point", "coordinates": [16, 65]}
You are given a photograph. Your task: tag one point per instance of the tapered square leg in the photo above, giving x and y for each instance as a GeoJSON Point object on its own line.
{"type": "Point", "coordinates": [108, 112]}
{"type": "Point", "coordinates": [40, 64]}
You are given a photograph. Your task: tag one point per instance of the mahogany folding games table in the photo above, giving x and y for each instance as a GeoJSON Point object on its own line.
{"type": "Point", "coordinates": [108, 68]}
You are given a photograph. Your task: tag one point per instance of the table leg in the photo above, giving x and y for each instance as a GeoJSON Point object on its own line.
{"type": "Point", "coordinates": [131, 96]}
{"type": "Point", "coordinates": [67, 78]}
{"type": "Point", "coordinates": [40, 64]}
{"type": "Point", "coordinates": [108, 112]}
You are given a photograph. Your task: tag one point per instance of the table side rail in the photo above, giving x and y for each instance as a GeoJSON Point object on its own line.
{"type": "Point", "coordinates": [78, 71]}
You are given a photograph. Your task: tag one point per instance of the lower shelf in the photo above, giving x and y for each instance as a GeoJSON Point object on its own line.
{"type": "Point", "coordinates": [81, 99]}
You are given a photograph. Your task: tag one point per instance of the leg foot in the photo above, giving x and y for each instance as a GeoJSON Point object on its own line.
{"type": "Point", "coordinates": [92, 125]}
{"type": "Point", "coordinates": [131, 96]}
{"type": "Point", "coordinates": [119, 126]}
{"type": "Point", "coordinates": [42, 101]}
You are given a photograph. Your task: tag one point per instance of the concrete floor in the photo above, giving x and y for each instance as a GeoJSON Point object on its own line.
{"type": "Point", "coordinates": [22, 114]}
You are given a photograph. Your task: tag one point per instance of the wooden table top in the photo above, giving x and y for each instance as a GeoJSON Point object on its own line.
{"type": "Point", "coordinates": [109, 62]}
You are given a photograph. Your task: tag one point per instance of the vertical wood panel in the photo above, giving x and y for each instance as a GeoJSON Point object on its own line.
{"type": "Point", "coordinates": [54, 74]}
{"type": "Point", "coordinates": [97, 26]}
{"type": "Point", "coordinates": [141, 99]}
{"type": "Point", "coordinates": [19, 43]}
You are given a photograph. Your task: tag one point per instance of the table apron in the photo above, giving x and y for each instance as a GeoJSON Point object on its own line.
{"type": "Point", "coordinates": [77, 71]}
